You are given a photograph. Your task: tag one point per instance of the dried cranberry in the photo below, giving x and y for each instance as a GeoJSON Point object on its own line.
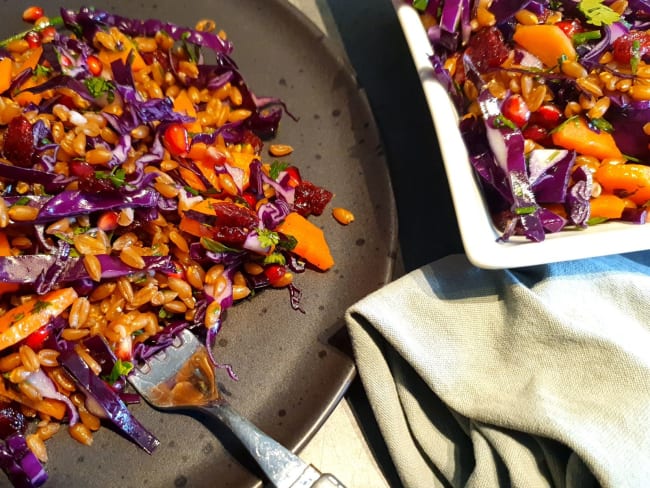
{"type": "Point", "coordinates": [229, 235]}
{"type": "Point", "coordinates": [487, 49]}
{"type": "Point", "coordinates": [159, 56]}
{"type": "Point", "coordinates": [19, 142]}
{"type": "Point", "coordinates": [311, 199]}
{"type": "Point", "coordinates": [11, 422]}
{"type": "Point", "coordinates": [633, 44]}
{"type": "Point", "coordinates": [232, 215]}
{"type": "Point", "coordinates": [92, 184]}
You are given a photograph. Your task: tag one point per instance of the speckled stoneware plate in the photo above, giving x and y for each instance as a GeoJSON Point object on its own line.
{"type": "Point", "coordinates": [290, 378]}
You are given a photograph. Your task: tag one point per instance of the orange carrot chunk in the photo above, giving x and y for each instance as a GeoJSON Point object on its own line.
{"type": "Point", "coordinates": [311, 245]}
{"type": "Point", "coordinates": [626, 180]}
{"type": "Point", "coordinates": [607, 206]}
{"type": "Point", "coordinates": [575, 134]}
{"type": "Point", "coordinates": [21, 321]}
{"type": "Point", "coordinates": [546, 41]}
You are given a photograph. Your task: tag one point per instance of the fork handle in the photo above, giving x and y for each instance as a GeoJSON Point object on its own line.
{"type": "Point", "coordinates": [283, 468]}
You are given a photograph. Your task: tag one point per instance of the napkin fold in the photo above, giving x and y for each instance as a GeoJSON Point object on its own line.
{"type": "Point", "coordinates": [534, 377]}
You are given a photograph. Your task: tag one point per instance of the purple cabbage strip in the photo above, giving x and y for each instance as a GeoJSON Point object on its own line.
{"type": "Point", "coordinates": [21, 466]}
{"type": "Point", "coordinates": [507, 145]}
{"type": "Point", "coordinates": [27, 269]}
{"type": "Point", "coordinates": [103, 402]}
{"type": "Point", "coordinates": [577, 202]}
{"type": "Point", "coordinates": [549, 171]}
{"type": "Point", "coordinates": [90, 21]}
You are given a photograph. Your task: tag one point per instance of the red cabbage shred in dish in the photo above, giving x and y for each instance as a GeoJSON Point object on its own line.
{"type": "Point", "coordinates": [135, 202]}
{"type": "Point", "coordinates": [554, 100]}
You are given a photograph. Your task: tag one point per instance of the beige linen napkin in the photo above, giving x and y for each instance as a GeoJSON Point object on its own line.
{"type": "Point", "coordinates": [535, 377]}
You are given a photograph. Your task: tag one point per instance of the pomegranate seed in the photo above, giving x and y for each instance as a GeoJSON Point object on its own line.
{"type": "Point", "coordinates": [124, 348]}
{"type": "Point", "coordinates": [294, 176]}
{"type": "Point", "coordinates": [274, 273]}
{"type": "Point", "coordinates": [95, 66]}
{"type": "Point", "coordinates": [36, 339]}
{"type": "Point", "coordinates": [108, 221]}
{"type": "Point", "coordinates": [570, 27]}
{"type": "Point", "coordinates": [33, 39]}
{"type": "Point", "coordinates": [176, 139]}
{"type": "Point", "coordinates": [547, 116]}
{"type": "Point", "coordinates": [65, 61]}
{"type": "Point", "coordinates": [32, 14]}
{"type": "Point", "coordinates": [633, 44]}
{"type": "Point", "coordinates": [516, 110]}
{"type": "Point", "coordinates": [250, 199]}
{"type": "Point", "coordinates": [47, 34]}
{"type": "Point", "coordinates": [81, 169]}
{"type": "Point", "coordinates": [535, 133]}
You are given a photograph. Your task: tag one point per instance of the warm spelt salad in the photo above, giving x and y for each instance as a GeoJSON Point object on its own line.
{"type": "Point", "coordinates": [137, 199]}
{"type": "Point", "coordinates": [554, 99]}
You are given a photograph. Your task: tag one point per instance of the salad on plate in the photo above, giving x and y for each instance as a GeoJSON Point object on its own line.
{"type": "Point", "coordinates": [137, 199]}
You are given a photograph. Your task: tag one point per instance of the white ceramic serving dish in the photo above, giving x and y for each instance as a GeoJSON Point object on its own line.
{"type": "Point", "coordinates": [478, 233]}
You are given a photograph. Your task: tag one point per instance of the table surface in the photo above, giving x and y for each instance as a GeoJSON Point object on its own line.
{"type": "Point", "coordinates": [370, 38]}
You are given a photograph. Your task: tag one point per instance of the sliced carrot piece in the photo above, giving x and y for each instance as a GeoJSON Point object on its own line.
{"type": "Point", "coordinates": [183, 104]}
{"type": "Point", "coordinates": [311, 244]}
{"type": "Point", "coordinates": [21, 321]}
{"type": "Point", "coordinates": [607, 206]}
{"type": "Point", "coordinates": [194, 227]}
{"type": "Point", "coordinates": [5, 250]}
{"type": "Point", "coordinates": [577, 135]}
{"type": "Point", "coordinates": [48, 406]}
{"type": "Point", "coordinates": [546, 41]}
{"type": "Point", "coordinates": [107, 57]}
{"type": "Point", "coordinates": [6, 65]}
{"type": "Point", "coordinates": [629, 180]}
{"type": "Point", "coordinates": [192, 180]}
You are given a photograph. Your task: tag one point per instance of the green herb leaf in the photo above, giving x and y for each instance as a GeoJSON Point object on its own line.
{"type": "Point", "coordinates": [420, 4]}
{"type": "Point", "coordinates": [276, 168]}
{"type": "Point", "coordinates": [636, 56]}
{"type": "Point", "coordinates": [287, 243]}
{"type": "Point", "coordinates": [501, 121]}
{"type": "Point", "coordinates": [602, 124]}
{"type": "Point", "coordinates": [596, 220]}
{"type": "Point", "coordinates": [117, 176]}
{"type": "Point", "coordinates": [596, 13]}
{"type": "Point", "coordinates": [191, 190]}
{"type": "Point", "coordinates": [40, 305]}
{"type": "Point", "coordinates": [525, 210]}
{"type": "Point", "coordinates": [98, 86]}
{"type": "Point", "coordinates": [268, 238]}
{"type": "Point", "coordinates": [215, 246]}
{"type": "Point", "coordinates": [582, 37]}
{"type": "Point", "coordinates": [21, 201]}
{"type": "Point", "coordinates": [120, 368]}
{"type": "Point", "coordinates": [41, 70]}
{"type": "Point", "coordinates": [275, 258]}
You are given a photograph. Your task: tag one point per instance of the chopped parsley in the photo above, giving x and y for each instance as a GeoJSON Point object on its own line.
{"type": "Point", "coordinates": [582, 37]}
{"type": "Point", "coordinates": [275, 258]}
{"type": "Point", "coordinates": [596, 13]}
{"type": "Point", "coordinates": [41, 70]}
{"type": "Point", "coordinates": [215, 246]}
{"type": "Point", "coordinates": [420, 4]}
{"type": "Point", "coordinates": [40, 305]}
{"type": "Point", "coordinates": [120, 368]}
{"type": "Point", "coordinates": [602, 124]}
{"type": "Point", "coordinates": [287, 242]}
{"type": "Point", "coordinates": [596, 220]}
{"type": "Point", "coordinates": [636, 56]}
{"type": "Point", "coordinates": [98, 86]}
{"type": "Point", "coordinates": [117, 176]}
{"type": "Point", "coordinates": [22, 201]}
{"type": "Point", "coordinates": [501, 121]}
{"type": "Point", "coordinates": [268, 238]}
{"type": "Point", "coordinates": [525, 210]}
{"type": "Point", "coordinates": [276, 168]}
{"type": "Point", "coordinates": [191, 190]}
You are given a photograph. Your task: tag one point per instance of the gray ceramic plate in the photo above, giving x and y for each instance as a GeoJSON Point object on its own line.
{"type": "Point", "coordinates": [290, 378]}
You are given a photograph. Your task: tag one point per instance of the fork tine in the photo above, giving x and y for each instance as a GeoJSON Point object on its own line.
{"type": "Point", "coordinates": [164, 365]}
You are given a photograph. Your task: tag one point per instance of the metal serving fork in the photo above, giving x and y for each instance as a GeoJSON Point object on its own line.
{"type": "Point", "coordinates": [181, 377]}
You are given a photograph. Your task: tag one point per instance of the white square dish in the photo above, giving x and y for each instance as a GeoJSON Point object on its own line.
{"type": "Point", "coordinates": [478, 232]}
